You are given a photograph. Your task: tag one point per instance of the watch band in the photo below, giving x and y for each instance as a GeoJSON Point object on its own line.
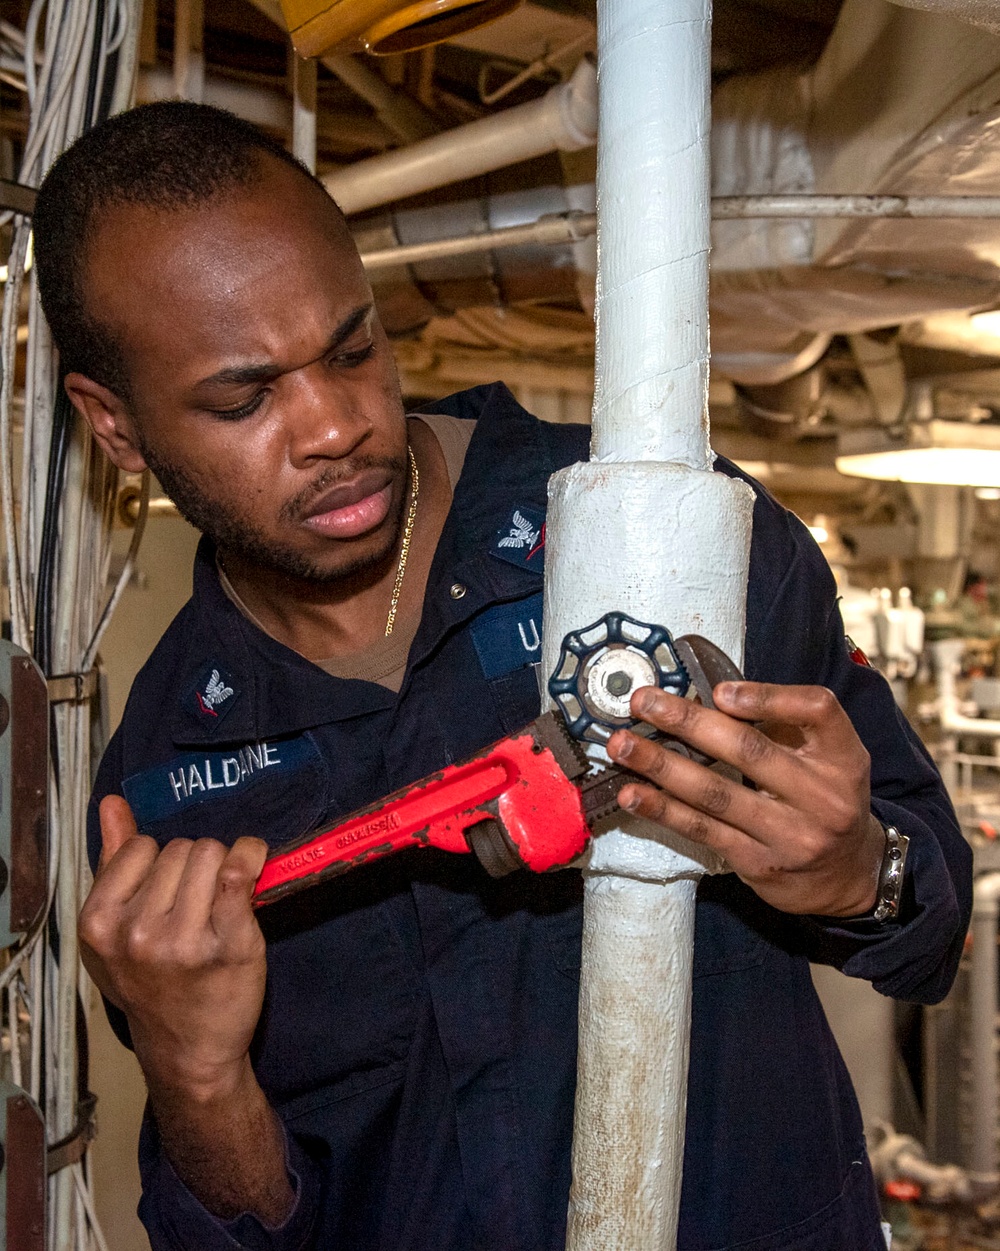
{"type": "Point", "coordinates": [890, 875]}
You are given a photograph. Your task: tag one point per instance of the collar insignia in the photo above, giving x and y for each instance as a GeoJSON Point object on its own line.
{"type": "Point", "coordinates": [213, 694]}
{"type": "Point", "coordinates": [521, 541]}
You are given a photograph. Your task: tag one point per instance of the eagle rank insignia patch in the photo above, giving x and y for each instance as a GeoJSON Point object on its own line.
{"type": "Point", "coordinates": [213, 695]}
{"type": "Point", "coordinates": [522, 541]}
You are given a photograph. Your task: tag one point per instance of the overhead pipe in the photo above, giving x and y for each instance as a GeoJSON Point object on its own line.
{"type": "Point", "coordinates": [189, 55]}
{"type": "Point", "coordinates": [439, 275]}
{"type": "Point", "coordinates": [578, 225]}
{"type": "Point", "coordinates": [405, 117]}
{"type": "Point", "coordinates": [554, 228]}
{"type": "Point", "coordinates": [263, 106]}
{"type": "Point", "coordinates": [303, 84]}
{"type": "Point", "coordinates": [673, 547]}
{"type": "Point", "coordinates": [564, 119]}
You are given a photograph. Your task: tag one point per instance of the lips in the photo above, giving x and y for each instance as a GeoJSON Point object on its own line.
{"type": "Point", "coordinates": [352, 508]}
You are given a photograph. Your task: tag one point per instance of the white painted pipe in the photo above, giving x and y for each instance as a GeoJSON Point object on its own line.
{"type": "Point", "coordinates": [189, 56]}
{"type": "Point", "coordinates": [304, 110]}
{"type": "Point", "coordinates": [728, 207]}
{"type": "Point", "coordinates": [983, 1025]}
{"type": "Point", "coordinates": [553, 228]}
{"type": "Point", "coordinates": [564, 119]}
{"type": "Point", "coordinates": [647, 528]}
{"type": "Point", "coordinates": [947, 656]}
{"type": "Point", "coordinates": [581, 224]}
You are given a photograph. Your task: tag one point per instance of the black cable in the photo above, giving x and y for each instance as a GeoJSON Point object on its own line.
{"type": "Point", "coordinates": [62, 427]}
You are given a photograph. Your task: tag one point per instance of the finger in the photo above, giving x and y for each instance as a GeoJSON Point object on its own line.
{"type": "Point", "coordinates": [117, 827]}
{"type": "Point", "coordinates": [157, 894]}
{"type": "Point", "coordinates": [740, 851]}
{"type": "Point", "coordinates": [127, 857]}
{"type": "Point", "coordinates": [695, 785]}
{"type": "Point", "coordinates": [814, 710]}
{"type": "Point", "coordinates": [231, 910]}
{"type": "Point", "coordinates": [196, 888]}
{"type": "Point", "coordinates": [718, 735]}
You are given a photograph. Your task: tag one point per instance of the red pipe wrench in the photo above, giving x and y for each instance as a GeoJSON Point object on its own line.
{"type": "Point", "coordinates": [528, 801]}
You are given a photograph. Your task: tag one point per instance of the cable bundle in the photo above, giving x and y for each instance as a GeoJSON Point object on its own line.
{"type": "Point", "coordinates": [77, 65]}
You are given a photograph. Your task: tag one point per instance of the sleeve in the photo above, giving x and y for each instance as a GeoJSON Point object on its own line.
{"type": "Point", "coordinates": [176, 1221]}
{"type": "Point", "coordinates": [173, 1218]}
{"type": "Point", "coordinates": [916, 956]}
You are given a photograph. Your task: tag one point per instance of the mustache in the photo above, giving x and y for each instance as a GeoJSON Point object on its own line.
{"type": "Point", "coordinates": [299, 505]}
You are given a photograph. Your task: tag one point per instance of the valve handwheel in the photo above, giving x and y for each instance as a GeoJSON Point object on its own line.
{"type": "Point", "coordinates": [601, 665]}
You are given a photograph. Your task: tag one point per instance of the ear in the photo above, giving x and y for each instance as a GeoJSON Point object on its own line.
{"type": "Point", "coordinates": [109, 419]}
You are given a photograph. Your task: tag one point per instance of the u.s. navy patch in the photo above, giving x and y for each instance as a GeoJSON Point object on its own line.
{"type": "Point", "coordinates": [509, 636]}
{"type": "Point", "coordinates": [521, 541]}
{"type": "Point", "coordinates": [213, 695]}
{"type": "Point", "coordinates": [197, 777]}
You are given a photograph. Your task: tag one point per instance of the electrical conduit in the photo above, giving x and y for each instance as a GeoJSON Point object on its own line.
{"type": "Point", "coordinates": [647, 528]}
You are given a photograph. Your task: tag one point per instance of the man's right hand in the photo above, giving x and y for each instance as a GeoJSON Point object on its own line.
{"type": "Point", "coordinates": [169, 936]}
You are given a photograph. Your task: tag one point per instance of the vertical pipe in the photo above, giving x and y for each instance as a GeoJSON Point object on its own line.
{"type": "Point", "coordinates": [647, 528]}
{"type": "Point", "coordinates": [983, 1025]}
{"type": "Point", "coordinates": [189, 56]}
{"type": "Point", "coordinates": [304, 110]}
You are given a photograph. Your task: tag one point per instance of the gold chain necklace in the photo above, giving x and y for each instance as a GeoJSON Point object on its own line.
{"type": "Point", "coordinates": [405, 549]}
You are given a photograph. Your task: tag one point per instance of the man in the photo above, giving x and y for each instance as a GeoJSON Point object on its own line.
{"type": "Point", "coordinates": [387, 1061]}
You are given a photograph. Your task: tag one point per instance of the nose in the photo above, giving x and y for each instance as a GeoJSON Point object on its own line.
{"type": "Point", "coordinates": [324, 416]}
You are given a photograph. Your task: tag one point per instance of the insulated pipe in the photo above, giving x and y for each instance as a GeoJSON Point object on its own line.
{"type": "Point", "coordinates": [576, 226]}
{"type": "Point", "coordinates": [647, 528]}
{"type": "Point", "coordinates": [304, 110]}
{"type": "Point", "coordinates": [189, 56]}
{"type": "Point", "coordinates": [568, 227]}
{"type": "Point", "coordinates": [564, 119]}
{"type": "Point", "coordinates": [983, 1024]}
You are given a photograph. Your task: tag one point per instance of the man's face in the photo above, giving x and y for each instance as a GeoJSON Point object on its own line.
{"type": "Point", "coordinates": [265, 397]}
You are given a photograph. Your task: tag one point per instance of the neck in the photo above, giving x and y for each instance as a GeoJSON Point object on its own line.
{"type": "Point", "coordinates": [326, 620]}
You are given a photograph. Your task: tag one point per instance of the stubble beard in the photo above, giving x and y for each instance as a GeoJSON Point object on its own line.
{"type": "Point", "coordinates": [235, 536]}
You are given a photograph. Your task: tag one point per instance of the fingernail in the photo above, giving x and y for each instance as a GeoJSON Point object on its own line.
{"type": "Point", "coordinates": [629, 804]}
{"type": "Point", "coordinates": [620, 746]}
{"type": "Point", "coordinates": [644, 700]}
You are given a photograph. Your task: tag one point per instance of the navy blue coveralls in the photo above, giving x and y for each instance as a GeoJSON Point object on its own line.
{"type": "Point", "coordinates": [418, 1037]}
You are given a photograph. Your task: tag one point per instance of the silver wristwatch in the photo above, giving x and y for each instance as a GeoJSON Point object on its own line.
{"type": "Point", "coordinates": [890, 874]}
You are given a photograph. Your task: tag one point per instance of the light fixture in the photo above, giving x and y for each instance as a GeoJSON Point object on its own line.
{"type": "Point", "coordinates": [987, 323]}
{"type": "Point", "coordinates": [383, 27]}
{"type": "Point", "coordinates": [988, 493]}
{"type": "Point", "coordinates": [950, 453]}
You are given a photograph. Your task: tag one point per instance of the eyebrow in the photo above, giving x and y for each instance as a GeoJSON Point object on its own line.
{"type": "Point", "coordinates": [241, 375]}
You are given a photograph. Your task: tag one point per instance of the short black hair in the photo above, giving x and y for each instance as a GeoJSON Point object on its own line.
{"type": "Point", "coordinates": [170, 155]}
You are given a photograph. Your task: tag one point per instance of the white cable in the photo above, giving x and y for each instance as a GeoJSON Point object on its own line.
{"type": "Point", "coordinates": [30, 48]}
{"type": "Point", "coordinates": [123, 578]}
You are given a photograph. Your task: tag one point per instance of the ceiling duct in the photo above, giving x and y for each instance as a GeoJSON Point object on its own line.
{"type": "Point", "coordinates": [408, 296]}
{"type": "Point", "coordinates": [383, 27]}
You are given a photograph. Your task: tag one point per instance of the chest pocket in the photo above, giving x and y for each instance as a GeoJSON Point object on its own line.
{"type": "Point", "coordinates": [274, 789]}
{"type": "Point", "coordinates": [508, 643]}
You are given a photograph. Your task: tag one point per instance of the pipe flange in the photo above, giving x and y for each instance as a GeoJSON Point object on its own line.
{"type": "Point", "coordinates": [601, 665]}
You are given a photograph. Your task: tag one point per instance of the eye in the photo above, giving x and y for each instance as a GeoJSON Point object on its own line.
{"type": "Point", "coordinates": [238, 414]}
{"type": "Point", "coordinates": [352, 359]}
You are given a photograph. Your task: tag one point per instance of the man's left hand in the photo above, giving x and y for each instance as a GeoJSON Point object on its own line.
{"type": "Point", "coordinates": [805, 840]}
